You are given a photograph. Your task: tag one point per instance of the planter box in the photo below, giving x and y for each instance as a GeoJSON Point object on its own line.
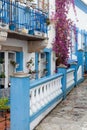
{"type": "Point", "coordinates": [12, 27]}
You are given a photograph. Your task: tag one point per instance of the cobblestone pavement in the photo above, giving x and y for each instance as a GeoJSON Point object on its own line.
{"type": "Point", "coordinates": [70, 114]}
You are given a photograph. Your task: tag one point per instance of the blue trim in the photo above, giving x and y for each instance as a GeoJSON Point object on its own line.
{"type": "Point", "coordinates": [80, 60]}
{"type": "Point", "coordinates": [48, 50]}
{"type": "Point", "coordinates": [70, 88]}
{"type": "Point", "coordinates": [81, 5]}
{"type": "Point", "coordinates": [79, 81]}
{"type": "Point", "coordinates": [19, 60]}
{"type": "Point", "coordinates": [36, 63]}
{"type": "Point", "coordinates": [46, 107]}
{"type": "Point", "coordinates": [48, 65]}
{"type": "Point", "coordinates": [63, 70]}
{"type": "Point", "coordinates": [70, 70]}
{"type": "Point", "coordinates": [44, 80]}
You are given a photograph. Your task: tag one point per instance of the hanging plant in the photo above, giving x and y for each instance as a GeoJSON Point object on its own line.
{"type": "Point", "coordinates": [63, 34]}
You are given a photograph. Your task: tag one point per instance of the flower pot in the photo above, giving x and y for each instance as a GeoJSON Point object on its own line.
{"type": "Point", "coordinates": [12, 27]}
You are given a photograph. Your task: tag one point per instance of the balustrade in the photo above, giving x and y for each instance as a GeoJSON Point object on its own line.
{"type": "Point", "coordinates": [22, 18]}
{"type": "Point", "coordinates": [70, 79]}
{"type": "Point", "coordinates": [42, 94]}
{"type": "Point", "coordinates": [79, 73]}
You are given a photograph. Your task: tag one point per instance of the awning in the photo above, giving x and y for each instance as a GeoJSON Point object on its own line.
{"type": "Point", "coordinates": [10, 48]}
{"type": "Point", "coordinates": [36, 46]}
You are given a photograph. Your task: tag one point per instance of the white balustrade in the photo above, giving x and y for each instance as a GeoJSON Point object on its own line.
{"type": "Point", "coordinates": [79, 73]}
{"type": "Point", "coordinates": [42, 94]}
{"type": "Point", "coordinates": [70, 79]}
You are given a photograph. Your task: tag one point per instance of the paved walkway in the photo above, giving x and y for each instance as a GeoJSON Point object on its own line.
{"type": "Point", "coordinates": [71, 114]}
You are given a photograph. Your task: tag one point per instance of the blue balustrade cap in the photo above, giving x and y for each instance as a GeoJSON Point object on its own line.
{"type": "Point", "coordinates": [70, 61]}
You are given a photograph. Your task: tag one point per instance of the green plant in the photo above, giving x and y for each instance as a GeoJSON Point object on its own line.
{"type": "Point", "coordinates": [47, 21]}
{"type": "Point", "coordinates": [13, 63]}
{"type": "Point", "coordinates": [1, 60]}
{"type": "Point", "coordinates": [30, 63]}
{"type": "Point", "coordinates": [3, 104]}
{"type": "Point", "coordinates": [4, 107]}
{"type": "Point", "coordinates": [2, 75]}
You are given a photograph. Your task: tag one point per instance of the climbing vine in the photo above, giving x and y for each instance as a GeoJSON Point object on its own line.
{"type": "Point", "coordinates": [63, 26]}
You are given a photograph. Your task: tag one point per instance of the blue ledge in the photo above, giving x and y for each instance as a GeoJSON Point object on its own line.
{"type": "Point", "coordinates": [79, 81]}
{"type": "Point", "coordinates": [44, 80]}
{"type": "Point", "coordinates": [70, 70]}
{"type": "Point", "coordinates": [46, 107]}
{"type": "Point", "coordinates": [70, 88]}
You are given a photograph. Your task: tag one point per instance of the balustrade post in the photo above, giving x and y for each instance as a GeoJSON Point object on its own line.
{"type": "Point", "coordinates": [80, 56]}
{"type": "Point", "coordinates": [20, 102]}
{"type": "Point", "coordinates": [74, 65]}
{"type": "Point", "coordinates": [64, 71]}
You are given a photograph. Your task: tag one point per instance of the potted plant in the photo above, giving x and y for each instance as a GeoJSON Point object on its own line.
{"type": "Point", "coordinates": [12, 26]}
{"type": "Point", "coordinates": [13, 63]}
{"type": "Point", "coordinates": [45, 71]}
{"type": "Point", "coordinates": [29, 65]}
{"type": "Point", "coordinates": [47, 21]}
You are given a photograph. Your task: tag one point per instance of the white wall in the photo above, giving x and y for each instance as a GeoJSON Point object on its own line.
{"type": "Point", "coordinates": [81, 16]}
{"type": "Point", "coordinates": [51, 32]}
{"type": "Point", "coordinates": [19, 43]}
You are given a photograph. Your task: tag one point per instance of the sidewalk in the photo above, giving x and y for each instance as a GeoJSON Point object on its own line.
{"type": "Point", "coordinates": [70, 114]}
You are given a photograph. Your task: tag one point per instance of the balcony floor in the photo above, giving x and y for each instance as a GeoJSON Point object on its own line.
{"type": "Point", "coordinates": [70, 114]}
{"type": "Point", "coordinates": [24, 36]}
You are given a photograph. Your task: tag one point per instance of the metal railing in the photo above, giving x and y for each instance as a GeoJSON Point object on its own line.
{"type": "Point", "coordinates": [20, 17]}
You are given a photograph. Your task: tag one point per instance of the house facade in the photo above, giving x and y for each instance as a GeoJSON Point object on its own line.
{"type": "Point", "coordinates": [26, 37]}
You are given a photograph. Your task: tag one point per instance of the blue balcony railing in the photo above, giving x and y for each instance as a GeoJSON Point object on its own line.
{"type": "Point", "coordinates": [22, 17]}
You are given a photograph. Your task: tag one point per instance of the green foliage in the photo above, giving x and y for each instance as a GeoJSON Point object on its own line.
{"type": "Point", "coordinates": [3, 104]}
{"type": "Point", "coordinates": [48, 21]}
{"type": "Point", "coordinates": [30, 62]}
{"type": "Point", "coordinates": [1, 60]}
{"type": "Point", "coordinates": [13, 63]}
{"type": "Point", "coordinates": [2, 75]}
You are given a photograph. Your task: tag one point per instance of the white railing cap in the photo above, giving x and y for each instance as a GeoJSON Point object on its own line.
{"type": "Point", "coordinates": [20, 74]}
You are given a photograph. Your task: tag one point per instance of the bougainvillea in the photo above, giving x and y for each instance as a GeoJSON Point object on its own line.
{"type": "Point", "coordinates": [63, 35]}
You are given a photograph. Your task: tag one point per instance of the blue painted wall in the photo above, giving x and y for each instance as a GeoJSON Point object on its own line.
{"type": "Point", "coordinates": [19, 60]}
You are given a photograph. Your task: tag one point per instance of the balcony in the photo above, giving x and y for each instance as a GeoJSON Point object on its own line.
{"type": "Point", "coordinates": [22, 22]}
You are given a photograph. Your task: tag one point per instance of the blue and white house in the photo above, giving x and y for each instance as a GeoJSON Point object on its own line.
{"type": "Point", "coordinates": [24, 38]}
{"type": "Point", "coordinates": [26, 55]}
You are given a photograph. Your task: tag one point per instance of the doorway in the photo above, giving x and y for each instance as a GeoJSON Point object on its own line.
{"type": "Point", "coordinates": [6, 67]}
